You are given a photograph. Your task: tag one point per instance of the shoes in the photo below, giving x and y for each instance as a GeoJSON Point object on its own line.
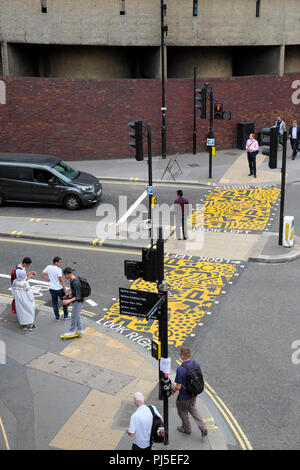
{"type": "Point", "coordinates": [31, 328]}
{"type": "Point", "coordinates": [57, 318]}
{"type": "Point", "coordinates": [80, 332]}
{"type": "Point", "coordinates": [293, 158]}
{"type": "Point", "coordinates": [69, 333]}
{"type": "Point", "coordinates": [67, 318]}
{"type": "Point", "coordinates": [180, 429]}
{"type": "Point", "coordinates": [204, 432]}
{"type": "Point", "coordinates": [254, 176]}
{"type": "Point", "coordinates": [250, 174]}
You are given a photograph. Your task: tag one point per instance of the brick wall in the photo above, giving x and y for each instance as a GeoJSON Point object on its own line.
{"type": "Point", "coordinates": [87, 119]}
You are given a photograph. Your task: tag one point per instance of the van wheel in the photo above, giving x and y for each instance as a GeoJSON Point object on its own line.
{"type": "Point", "coordinates": [2, 200]}
{"type": "Point", "coordinates": [72, 202]}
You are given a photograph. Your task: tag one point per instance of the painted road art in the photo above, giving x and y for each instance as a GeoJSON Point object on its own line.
{"type": "Point", "coordinates": [237, 209]}
{"type": "Point", "coordinates": [195, 287]}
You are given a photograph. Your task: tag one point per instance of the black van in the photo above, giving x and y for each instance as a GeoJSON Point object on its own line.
{"type": "Point", "coordinates": [45, 179]}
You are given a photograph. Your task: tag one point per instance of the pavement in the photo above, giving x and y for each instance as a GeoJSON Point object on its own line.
{"type": "Point", "coordinates": [95, 386]}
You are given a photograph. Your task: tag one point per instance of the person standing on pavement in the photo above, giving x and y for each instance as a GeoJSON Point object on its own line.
{"type": "Point", "coordinates": [186, 403]}
{"type": "Point", "coordinates": [252, 150]}
{"type": "Point", "coordinates": [76, 299]}
{"type": "Point", "coordinates": [181, 208]}
{"type": "Point", "coordinates": [24, 300]}
{"type": "Point", "coordinates": [280, 124]}
{"type": "Point", "coordinates": [294, 135]}
{"type": "Point", "coordinates": [141, 423]}
{"type": "Point", "coordinates": [53, 274]}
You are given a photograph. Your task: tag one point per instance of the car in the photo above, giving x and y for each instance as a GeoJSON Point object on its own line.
{"type": "Point", "coordinates": [45, 179]}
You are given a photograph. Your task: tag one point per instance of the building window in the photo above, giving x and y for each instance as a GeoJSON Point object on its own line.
{"type": "Point", "coordinates": [257, 8]}
{"type": "Point", "coordinates": [44, 6]}
{"type": "Point", "coordinates": [195, 7]}
{"type": "Point", "coordinates": [122, 7]}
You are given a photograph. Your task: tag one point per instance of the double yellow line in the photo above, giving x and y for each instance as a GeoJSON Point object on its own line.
{"type": "Point", "coordinates": [229, 418]}
{"type": "Point", "coordinates": [4, 435]}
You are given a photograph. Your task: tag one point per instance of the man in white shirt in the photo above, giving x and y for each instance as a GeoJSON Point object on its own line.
{"type": "Point", "coordinates": [294, 135]}
{"type": "Point", "coordinates": [53, 274]}
{"type": "Point", "coordinates": [141, 423]}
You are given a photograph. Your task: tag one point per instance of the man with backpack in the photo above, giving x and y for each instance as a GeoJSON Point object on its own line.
{"type": "Point", "coordinates": [143, 424]}
{"type": "Point", "coordinates": [53, 274]}
{"type": "Point", "coordinates": [76, 299]}
{"type": "Point", "coordinates": [189, 383]}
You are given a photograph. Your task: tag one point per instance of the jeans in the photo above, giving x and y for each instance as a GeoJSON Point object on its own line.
{"type": "Point", "coordinates": [75, 316]}
{"type": "Point", "coordinates": [55, 294]}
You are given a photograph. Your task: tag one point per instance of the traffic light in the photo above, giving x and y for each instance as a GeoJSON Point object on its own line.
{"type": "Point", "coordinates": [218, 112]}
{"type": "Point", "coordinates": [147, 269]}
{"type": "Point", "coordinates": [270, 141]}
{"type": "Point", "coordinates": [138, 139]}
{"type": "Point", "coordinates": [201, 98]}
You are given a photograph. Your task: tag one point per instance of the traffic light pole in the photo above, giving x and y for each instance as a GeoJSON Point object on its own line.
{"type": "Point", "coordinates": [164, 29]}
{"type": "Point", "coordinates": [163, 325]}
{"type": "Point", "coordinates": [149, 136]}
{"type": "Point", "coordinates": [211, 125]}
{"type": "Point", "coordinates": [282, 194]}
{"type": "Point", "coordinates": [195, 109]}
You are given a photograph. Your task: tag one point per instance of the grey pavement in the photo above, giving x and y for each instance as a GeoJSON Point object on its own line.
{"type": "Point", "coordinates": [61, 393]}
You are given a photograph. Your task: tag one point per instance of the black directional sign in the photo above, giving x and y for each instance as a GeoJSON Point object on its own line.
{"type": "Point", "coordinates": [139, 303]}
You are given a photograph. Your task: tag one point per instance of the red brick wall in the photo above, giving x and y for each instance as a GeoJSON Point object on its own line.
{"type": "Point", "coordinates": [87, 119]}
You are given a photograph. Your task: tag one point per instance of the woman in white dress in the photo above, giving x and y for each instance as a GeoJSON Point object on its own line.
{"type": "Point", "coordinates": [24, 300]}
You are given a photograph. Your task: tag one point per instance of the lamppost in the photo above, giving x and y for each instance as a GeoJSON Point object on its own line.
{"type": "Point", "coordinates": [164, 29]}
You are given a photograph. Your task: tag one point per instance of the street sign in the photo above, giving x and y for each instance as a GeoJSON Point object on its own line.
{"type": "Point", "coordinates": [210, 142]}
{"type": "Point", "coordinates": [150, 190]}
{"type": "Point", "coordinates": [139, 303]}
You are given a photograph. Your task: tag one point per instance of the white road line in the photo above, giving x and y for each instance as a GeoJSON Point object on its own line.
{"type": "Point", "coordinates": [7, 276]}
{"type": "Point", "coordinates": [91, 302]}
{"type": "Point", "coordinates": [132, 208]}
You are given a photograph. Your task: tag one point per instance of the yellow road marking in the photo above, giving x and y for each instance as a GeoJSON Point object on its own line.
{"type": "Point", "coordinates": [230, 419]}
{"type": "Point", "coordinates": [4, 434]}
{"type": "Point", "coordinates": [75, 247]}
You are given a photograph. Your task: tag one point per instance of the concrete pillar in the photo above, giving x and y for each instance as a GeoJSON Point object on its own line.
{"type": "Point", "coordinates": [281, 60]}
{"type": "Point", "coordinates": [4, 56]}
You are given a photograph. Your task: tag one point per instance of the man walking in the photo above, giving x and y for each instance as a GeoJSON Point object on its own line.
{"type": "Point", "coordinates": [294, 135]}
{"type": "Point", "coordinates": [53, 274]}
{"type": "Point", "coordinates": [252, 150]}
{"type": "Point", "coordinates": [280, 124]}
{"type": "Point", "coordinates": [76, 299]}
{"type": "Point", "coordinates": [141, 423]}
{"type": "Point", "coordinates": [186, 403]}
{"type": "Point", "coordinates": [181, 207]}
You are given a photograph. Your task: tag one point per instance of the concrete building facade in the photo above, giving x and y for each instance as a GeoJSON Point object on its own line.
{"type": "Point", "coordinates": [77, 71]}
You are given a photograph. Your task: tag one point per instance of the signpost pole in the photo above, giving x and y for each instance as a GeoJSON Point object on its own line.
{"type": "Point", "coordinates": [211, 132]}
{"type": "Point", "coordinates": [149, 135]}
{"type": "Point", "coordinates": [282, 196]}
{"type": "Point", "coordinates": [163, 325]}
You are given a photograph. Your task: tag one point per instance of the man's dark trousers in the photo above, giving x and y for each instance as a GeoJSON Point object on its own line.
{"type": "Point", "coordinates": [294, 145]}
{"type": "Point", "coordinates": [55, 295]}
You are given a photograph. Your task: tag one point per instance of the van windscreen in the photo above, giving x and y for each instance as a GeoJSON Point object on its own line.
{"type": "Point", "coordinates": [66, 170]}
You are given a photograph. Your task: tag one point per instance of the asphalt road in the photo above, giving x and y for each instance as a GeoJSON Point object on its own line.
{"type": "Point", "coordinates": [246, 352]}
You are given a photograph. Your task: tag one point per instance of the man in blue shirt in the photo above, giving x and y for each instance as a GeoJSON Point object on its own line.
{"type": "Point", "coordinates": [186, 403]}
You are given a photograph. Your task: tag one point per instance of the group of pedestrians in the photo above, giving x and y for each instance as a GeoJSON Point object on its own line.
{"type": "Point", "coordinates": [252, 145]}
{"type": "Point", "coordinates": [141, 421]}
{"type": "Point", "coordinates": [23, 303]}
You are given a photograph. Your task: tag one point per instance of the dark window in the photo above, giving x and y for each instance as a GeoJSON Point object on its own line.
{"type": "Point", "coordinates": [195, 7]}
{"type": "Point", "coordinates": [257, 8]}
{"type": "Point", "coordinates": [44, 6]}
{"type": "Point", "coordinates": [42, 176]}
{"type": "Point", "coordinates": [122, 7]}
{"type": "Point", "coordinates": [16, 173]}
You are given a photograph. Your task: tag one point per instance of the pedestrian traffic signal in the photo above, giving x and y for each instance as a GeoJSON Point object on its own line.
{"type": "Point", "coordinates": [271, 141]}
{"type": "Point", "coordinates": [218, 111]}
{"type": "Point", "coordinates": [138, 139]}
{"type": "Point", "coordinates": [146, 269]}
{"type": "Point", "coordinates": [201, 98]}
